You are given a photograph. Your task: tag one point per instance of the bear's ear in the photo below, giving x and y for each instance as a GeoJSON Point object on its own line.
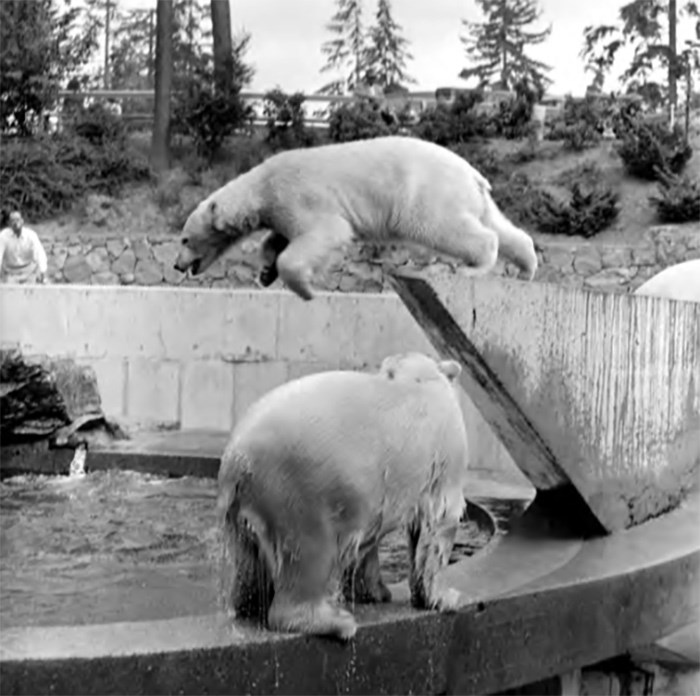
{"type": "Point", "coordinates": [450, 368]}
{"type": "Point", "coordinates": [388, 368]}
{"type": "Point", "coordinates": [213, 210]}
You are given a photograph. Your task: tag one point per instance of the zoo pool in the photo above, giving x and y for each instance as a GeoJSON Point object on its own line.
{"type": "Point", "coordinates": [118, 545]}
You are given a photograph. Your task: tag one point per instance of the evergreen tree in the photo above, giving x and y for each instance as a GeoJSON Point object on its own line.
{"type": "Point", "coordinates": [192, 32]}
{"type": "Point", "coordinates": [387, 53]}
{"type": "Point", "coordinates": [497, 45]}
{"type": "Point", "coordinates": [649, 27]}
{"type": "Point", "coordinates": [42, 42]}
{"type": "Point", "coordinates": [133, 50]}
{"type": "Point", "coordinates": [347, 52]}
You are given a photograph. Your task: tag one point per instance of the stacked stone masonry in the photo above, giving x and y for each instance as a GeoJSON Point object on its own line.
{"type": "Point", "coordinates": [105, 259]}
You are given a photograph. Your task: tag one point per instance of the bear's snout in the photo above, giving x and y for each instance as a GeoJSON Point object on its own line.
{"type": "Point", "coordinates": [186, 260]}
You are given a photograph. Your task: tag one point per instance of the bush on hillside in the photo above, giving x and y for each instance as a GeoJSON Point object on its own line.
{"type": "Point", "coordinates": [286, 126]}
{"type": "Point", "coordinates": [516, 195]}
{"type": "Point", "coordinates": [97, 125]}
{"type": "Point", "coordinates": [678, 199]}
{"type": "Point", "coordinates": [209, 117]}
{"type": "Point", "coordinates": [513, 119]}
{"type": "Point", "coordinates": [46, 176]}
{"type": "Point", "coordinates": [454, 123]}
{"type": "Point", "coordinates": [649, 147]}
{"type": "Point", "coordinates": [359, 120]}
{"type": "Point", "coordinates": [587, 212]}
{"type": "Point", "coordinates": [581, 124]}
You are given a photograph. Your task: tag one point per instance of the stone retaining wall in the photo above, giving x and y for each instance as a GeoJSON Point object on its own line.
{"type": "Point", "coordinates": [148, 260]}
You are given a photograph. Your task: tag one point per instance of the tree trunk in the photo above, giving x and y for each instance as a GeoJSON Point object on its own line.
{"type": "Point", "coordinates": [672, 62]}
{"type": "Point", "coordinates": [160, 143]}
{"type": "Point", "coordinates": [223, 45]}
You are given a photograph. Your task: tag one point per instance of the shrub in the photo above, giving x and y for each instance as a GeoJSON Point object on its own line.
{"type": "Point", "coordinates": [678, 199]}
{"type": "Point", "coordinates": [359, 120]}
{"type": "Point", "coordinates": [582, 123]}
{"type": "Point", "coordinates": [97, 125]}
{"type": "Point", "coordinates": [286, 127]}
{"type": "Point", "coordinates": [513, 119]}
{"type": "Point", "coordinates": [516, 196]}
{"type": "Point", "coordinates": [454, 123]}
{"type": "Point", "coordinates": [209, 117]}
{"type": "Point", "coordinates": [648, 148]}
{"type": "Point", "coordinates": [48, 175]}
{"type": "Point", "coordinates": [587, 212]}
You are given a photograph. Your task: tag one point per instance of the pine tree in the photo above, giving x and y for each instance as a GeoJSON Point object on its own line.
{"type": "Point", "coordinates": [133, 50]}
{"type": "Point", "coordinates": [497, 45]}
{"type": "Point", "coordinates": [347, 52]}
{"type": "Point", "coordinates": [649, 27]}
{"type": "Point", "coordinates": [387, 53]}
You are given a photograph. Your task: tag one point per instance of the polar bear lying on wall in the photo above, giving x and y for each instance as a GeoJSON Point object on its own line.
{"type": "Point", "coordinates": [323, 467]}
{"type": "Point", "coordinates": [316, 201]}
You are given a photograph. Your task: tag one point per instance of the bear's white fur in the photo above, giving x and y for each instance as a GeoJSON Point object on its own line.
{"type": "Point", "coordinates": [323, 467]}
{"type": "Point", "coordinates": [678, 282]}
{"type": "Point", "coordinates": [315, 201]}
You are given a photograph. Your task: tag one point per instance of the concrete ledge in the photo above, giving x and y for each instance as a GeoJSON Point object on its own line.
{"type": "Point", "coordinates": [588, 602]}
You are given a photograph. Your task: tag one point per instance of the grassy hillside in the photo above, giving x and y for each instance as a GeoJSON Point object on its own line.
{"type": "Point", "coordinates": [150, 208]}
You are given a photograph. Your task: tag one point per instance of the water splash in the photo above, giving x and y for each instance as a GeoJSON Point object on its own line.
{"type": "Point", "coordinates": [77, 465]}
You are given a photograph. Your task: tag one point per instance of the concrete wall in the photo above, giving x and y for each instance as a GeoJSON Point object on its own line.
{"type": "Point", "coordinates": [196, 359]}
{"type": "Point", "coordinates": [108, 259]}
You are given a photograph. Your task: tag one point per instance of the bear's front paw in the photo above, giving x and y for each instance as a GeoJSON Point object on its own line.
{"type": "Point", "coordinates": [344, 625]}
{"type": "Point", "coordinates": [268, 275]}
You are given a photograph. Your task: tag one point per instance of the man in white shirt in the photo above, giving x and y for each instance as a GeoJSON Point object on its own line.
{"type": "Point", "coordinates": [22, 256]}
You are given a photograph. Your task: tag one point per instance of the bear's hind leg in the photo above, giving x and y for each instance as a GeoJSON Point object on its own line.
{"type": "Point", "coordinates": [303, 585]}
{"type": "Point", "coordinates": [362, 581]}
{"type": "Point", "coordinates": [245, 584]}
{"type": "Point", "coordinates": [429, 545]}
{"type": "Point", "coordinates": [465, 238]}
{"type": "Point", "coordinates": [318, 617]}
{"type": "Point", "coordinates": [310, 250]}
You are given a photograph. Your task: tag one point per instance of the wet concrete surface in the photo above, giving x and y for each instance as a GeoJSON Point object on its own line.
{"type": "Point", "coordinates": [598, 599]}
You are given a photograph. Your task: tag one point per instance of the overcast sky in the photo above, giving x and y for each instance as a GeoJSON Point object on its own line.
{"type": "Point", "coordinates": [287, 36]}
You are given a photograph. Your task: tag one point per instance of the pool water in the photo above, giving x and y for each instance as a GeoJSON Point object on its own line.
{"type": "Point", "coordinates": [124, 546]}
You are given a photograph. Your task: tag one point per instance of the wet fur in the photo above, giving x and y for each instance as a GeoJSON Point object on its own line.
{"type": "Point", "coordinates": [290, 561]}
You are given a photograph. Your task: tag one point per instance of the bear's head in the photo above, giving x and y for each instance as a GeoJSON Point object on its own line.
{"type": "Point", "coordinates": [209, 232]}
{"type": "Point", "coordinates": [418, 368]}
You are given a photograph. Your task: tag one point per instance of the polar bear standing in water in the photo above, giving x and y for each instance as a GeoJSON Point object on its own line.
{"type": "Point", "coordinates": [315, 201]}
{"type": "Point", "coordinates": [320, 470]}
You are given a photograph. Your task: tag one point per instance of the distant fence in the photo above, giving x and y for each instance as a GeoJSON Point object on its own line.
{"type": "Point", "coordinates": [419, 100]}
{"type": "Point", "coordinates": [551, 105]}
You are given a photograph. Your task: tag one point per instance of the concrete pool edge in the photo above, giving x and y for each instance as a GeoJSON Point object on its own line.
{"type": "Point", "coordinates": [628, 590]}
